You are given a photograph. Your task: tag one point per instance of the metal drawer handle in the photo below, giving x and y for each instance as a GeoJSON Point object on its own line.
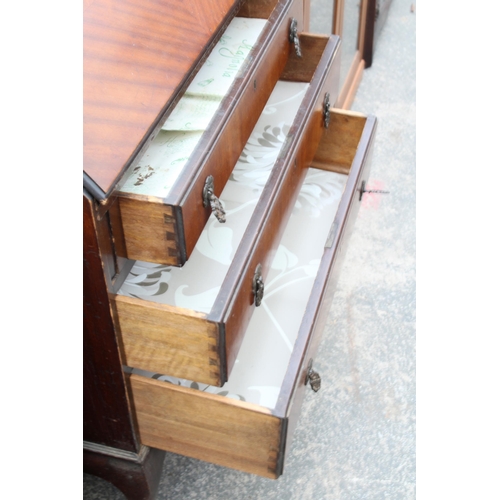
{"type": "Point", "coordinates": [258, 286]}
{"type": "Point", "coordinates": [326, 110]}
{"type": "Point", "coordinates": [313, 378]}
{"type": "Point", "coordinates": [293, 36]}
{"type": "Point", "coordinates": [209, 199]}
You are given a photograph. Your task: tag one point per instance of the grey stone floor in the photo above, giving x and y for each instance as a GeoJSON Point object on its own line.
{"type": "Point", "coordinates": [356, 437]}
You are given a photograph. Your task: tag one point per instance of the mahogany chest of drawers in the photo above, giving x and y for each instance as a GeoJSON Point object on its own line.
{"type": "Point", "coordinates": [219, 191]}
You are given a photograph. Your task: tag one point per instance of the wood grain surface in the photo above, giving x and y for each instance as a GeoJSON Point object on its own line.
{"type": "Point", "coordinates": [169, 340]}
{"type": "Point", "coordinates": [135, 57]}
{"type": "Point", "coordinates": [376, 15]}
{"type": "Point", "coordinates": [338, 149]}
{"type": "Point", "coordinates": [217, 429]}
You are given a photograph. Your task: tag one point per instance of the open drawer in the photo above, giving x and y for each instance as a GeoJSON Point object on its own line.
{"type": "Point", "coordinates": [161, 199]}
{"type": "Point", "coordinates": [189, 321]}
{"type": "Point", "coordinates": [248, 424]}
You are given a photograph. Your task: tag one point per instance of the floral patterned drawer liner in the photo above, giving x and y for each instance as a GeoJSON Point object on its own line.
{"type": "Point", "coordinates": [195, 285]}
{"type": "Point", "coordinates": [265, 352]}
{"type": "Point", "coordinates": [170, 150]}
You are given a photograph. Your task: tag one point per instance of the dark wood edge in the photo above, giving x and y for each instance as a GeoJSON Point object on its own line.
{"type": "Point", "coordinates": [92, 187]}
{"type": "Point", "coordinates": [180, 235]}
{"type": "Point", "coordinates": [374, 23]}
{"type": "Point", "coordinates": [137, 477]}
{"type": "Point", "coordinates": [369, 33]}
{"type": "Point", "coordinates": [224, 373]}
{"type": "Point", "coordinates": [280, 461]}
{"type": "Point", "coordinates": [292, 391]}
{"type": "Point", "coordinates": [107, 416]}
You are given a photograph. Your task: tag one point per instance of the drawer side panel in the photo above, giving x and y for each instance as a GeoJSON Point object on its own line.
{"type": "Point", "coordinates": [219, 430]}
{"type": "Point", "coordinates": [336, 153]}
{"type": "Point", "coordinates": [185, 346]}
{"type": "Point", "coordinates": [151, 232]}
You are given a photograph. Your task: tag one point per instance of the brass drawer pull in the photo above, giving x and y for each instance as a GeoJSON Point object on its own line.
{"type": "Point", "coordinates": [209, 198]}
{"type": "Point", "coordinates": [326, 110]}
{"type": "Point", "coordinates": [294, 37]}
{"type": "Point", "coordinates": [313, 378]}
{"type": "Point", "coordinates": [258, 286]}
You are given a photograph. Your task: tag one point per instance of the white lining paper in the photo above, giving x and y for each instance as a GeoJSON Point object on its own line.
{"type": "Point", "coordinates": [171, 149]}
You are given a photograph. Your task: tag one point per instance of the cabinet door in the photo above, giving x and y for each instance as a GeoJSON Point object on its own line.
{"type": "Point", "coordinates": [349, 22]}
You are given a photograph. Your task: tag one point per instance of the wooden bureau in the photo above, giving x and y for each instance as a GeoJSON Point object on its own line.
{"type": "Point", "coordinates": [147, 357]}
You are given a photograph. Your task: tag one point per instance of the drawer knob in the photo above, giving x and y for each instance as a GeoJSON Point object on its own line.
{"type": "Point", "coordinates": [258, 286]}
{"type": "Point", "coordinates": [293, 36]}
{"type": "Point", "coordinates": [209, 199]}
{"type": "Point", "coordinates": [326, 110]}
{"type": "Point", "coordinates": [313, 378]}
{"type": "Point", "coordinates": [363, 190]}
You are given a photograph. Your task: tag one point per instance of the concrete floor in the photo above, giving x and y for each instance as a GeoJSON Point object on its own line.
{"type": "Point", "coordinates": [356, 437]}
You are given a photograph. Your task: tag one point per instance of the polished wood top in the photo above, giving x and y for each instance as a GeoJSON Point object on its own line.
{"type": "Point", "coordinates": [136, 54]}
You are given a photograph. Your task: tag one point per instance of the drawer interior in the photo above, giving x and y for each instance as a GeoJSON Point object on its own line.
{"type": "Point", "coordinates": [160, 196]}
{"type": "Point", "coordinates": [195, 285]}
{"type": "Point", "coordinates": [265, 352]}
{"type": "Point", "coordinates": [167, 315]}
{"type": "Point", "coordinates": [245, 424]}
{"type": "Point", "coordinates": [162, 164]}
{"type": "Point", "coordinates": [169, 152]}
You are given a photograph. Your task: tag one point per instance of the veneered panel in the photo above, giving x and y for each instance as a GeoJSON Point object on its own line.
{"type": "Point", "coordinates": [136, 54]}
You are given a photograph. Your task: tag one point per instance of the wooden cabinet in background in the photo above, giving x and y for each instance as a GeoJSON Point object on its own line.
{"type": "Point", "coordinates": [358, 23]}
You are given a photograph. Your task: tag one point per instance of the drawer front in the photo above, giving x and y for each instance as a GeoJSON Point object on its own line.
{"type": "Point", "coordinates": [248, 435]}
{"type": "Point", "coordinates": [165, 229]}
{"type": "Point", "coordinates": [203, 345]}
{"type": "Point", "coordinates": [236, 304]}
{"type": "Point", "coordinates": [346, 148]}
